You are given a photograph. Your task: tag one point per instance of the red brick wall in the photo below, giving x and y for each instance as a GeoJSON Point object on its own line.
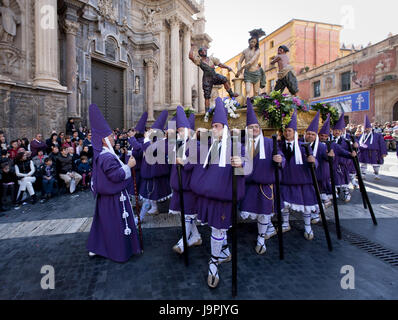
{"type": "Point", "coordinates": [304, 90]}
{"type": "Point", "coordinates": [316, 48]}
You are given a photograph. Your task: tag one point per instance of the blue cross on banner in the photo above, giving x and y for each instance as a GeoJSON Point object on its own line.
{"type": "Point", "coordinates": [359, 101]}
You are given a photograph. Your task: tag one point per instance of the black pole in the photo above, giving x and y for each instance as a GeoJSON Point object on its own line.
{"type": "Point", "coordinates": [318, 196]}
{"type": "Point", "coordinates": [277, 198]}
{"type": "Point", "coordinates": [333, 182]}
{"type": "Point", "coordinates": [234, 223]}
{"type": "Point", "coordinates": [184, 234]}
{"type": "Point", "coordinates": [137, 207]}
{"type": "Point", "coordinates": [362, 184]}
{"type": "Point", "coordinates": [356, 164]}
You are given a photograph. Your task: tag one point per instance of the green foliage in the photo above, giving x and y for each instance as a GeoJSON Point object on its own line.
{"type": "Point", "coordinates": [325, 109]}
{"type": "Point", "coordinates": [278, 108]}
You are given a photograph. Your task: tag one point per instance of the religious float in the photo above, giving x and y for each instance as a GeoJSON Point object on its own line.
{"type": "Point", "coordinates": [274, 112]}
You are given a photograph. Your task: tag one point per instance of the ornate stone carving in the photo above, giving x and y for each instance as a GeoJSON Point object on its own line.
{"type": "Point", "coordinates": [149, 16]}
{"type": "Point", "coordinates": [8, 23]}
{"type": "Point", "coordinates": [174, 21]}
{"type": "Point", "coordinates": [10, 60]}
{"type": "Point", "coordinates": [71, 27]}
{"type": "Point", "coordinates": [107, 10]}
{"type": "Point", "coordinates": [151, 62]}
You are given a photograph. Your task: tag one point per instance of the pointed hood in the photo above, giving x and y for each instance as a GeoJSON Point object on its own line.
{"type": "Point", "coordinates": [326, 126]}
{"type": "Point", "coordinates": [182, 121]}
{"type": "Point", "coordinates": [220, 114]}
{"type": "Point", "coordinates": [293, 123]}
{"type": "Point", "coordinates": [314, 126]}
{"type": "Point", "coordinates": [251, 115]}
{"type": "Point", "coordinates": [367, 124]}
{"type": "Point", "coordinates": [140, 127]}
{"type": "Point", "coordinates": [161, 121]}
{"type": "Point", "coordinates": [340, 125]}
{"type": "Point", "coordinates": [192, 121]}
{"type": "Point", "coordinates": [99, 127]}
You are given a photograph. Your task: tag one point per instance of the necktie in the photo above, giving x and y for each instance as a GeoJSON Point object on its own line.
{"type": "Point", "coordinates": [289, 150]}
{"type": "Point", "coordinates": [253, 148]}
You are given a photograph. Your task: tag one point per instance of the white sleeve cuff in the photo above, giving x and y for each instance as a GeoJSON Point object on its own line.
{"type": "Point", "coordinates": [127, 171]}
{"type": "Point", "coordinates": [146, 140]}
{"type": "Point", "coordinates": [130, 153]}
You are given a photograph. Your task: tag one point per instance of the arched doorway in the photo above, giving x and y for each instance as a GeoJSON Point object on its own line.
{"type": "Point", "coordinates": [395, 112]}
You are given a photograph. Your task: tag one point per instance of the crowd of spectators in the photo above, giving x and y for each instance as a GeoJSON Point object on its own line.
{"type": "Point", "coordinates": [389, 131]}
{"type": "Point", "coordinates": [40, 169]}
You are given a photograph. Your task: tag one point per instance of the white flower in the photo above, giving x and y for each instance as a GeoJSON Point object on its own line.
{"type": "Point", "coordinates": [127, 231]}
{"type": "Point", "coordinates": [125, 215]}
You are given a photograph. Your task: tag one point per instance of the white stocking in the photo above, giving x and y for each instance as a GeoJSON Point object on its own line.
{"type": "Point", "coordinates": [263, 222]}
{"type": "Point", "coordinates": [217, 239]}
{"type": "Point", "coordinates": [307, 222]}
{"type": "Point", "coordinates": [146, 205]}
{"type": "Point", "coordinates": [285, 218]}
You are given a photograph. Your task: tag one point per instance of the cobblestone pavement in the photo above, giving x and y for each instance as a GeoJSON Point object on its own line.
{"type": "Point", "coordinates": [55, 233]}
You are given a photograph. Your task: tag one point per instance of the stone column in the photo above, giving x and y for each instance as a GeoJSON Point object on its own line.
{"type": "Point", "coordinates": [71, 29]}
{"type": "Point", "coordinates": [175, 66]}
{"type": "Point", "coordinates": [187, 67]}
{"type": "Point", "coordinates": [149, 63]}
{"type": "Point", "coordinates": [46, 33]}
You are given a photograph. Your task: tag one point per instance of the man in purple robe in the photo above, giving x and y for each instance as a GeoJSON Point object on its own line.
{"type": "Point", "coordinates": [319, 151]}
{"type": "Point", "coordinates": [211, 181]}
{"type": "Point", "coordinates": [340, 157]}
{"type": "Point", "coordinates": [155, 177]}
{"type": "Point", "coordinates": [113, 233]}
{"type": "Point", "coordinates": [343, 177]}
{"type": "Point", "coordinates": [297, 190]}
{"type": "Point", "coordinates": [258, 203]}
{"type": "Point", "coordinates": [136, 142]}
{"type": "Point", "coordinates": [181, 155]}
{"type": "Point", "coordinates": [372, 150]}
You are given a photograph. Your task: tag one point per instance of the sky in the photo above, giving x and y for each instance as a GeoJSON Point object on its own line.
{"type": "Point", "coordinates": [229, 21]}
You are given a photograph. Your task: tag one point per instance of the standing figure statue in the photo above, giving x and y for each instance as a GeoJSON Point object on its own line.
{"type": "Point", "coordinates": [210, 77]}
{"type": "Point", "coordinates": [254, 75]}
{"type": "Point", "coordinates": [9, 22]}
{"type": "Point", "coordinates": [286, 76]}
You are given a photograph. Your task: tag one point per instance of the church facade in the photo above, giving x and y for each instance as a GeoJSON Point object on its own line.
{"type": "Point", "coordinates": [127, 56]}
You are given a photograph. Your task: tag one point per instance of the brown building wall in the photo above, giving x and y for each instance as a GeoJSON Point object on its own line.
{"type": "Point", "coordinates": [373, 69]}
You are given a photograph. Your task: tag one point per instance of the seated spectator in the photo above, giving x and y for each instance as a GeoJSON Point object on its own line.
{"type": "Point", "coordinates": [5, 157]}
{"type": "Point", "coordinates": [75, 158]}
{"type": "Point", "coordinates": [3, 143]}
{"type": "Point", "coordinates": [75, 137]}
{"type": "Point", "coordinates": [49, 175]}
{"type": "Point", "coordinates": [61, 139]}
{"type": "Point", "coordinates": [38, 160]}
{"type": "Point", "coordinates": [87, 142]}
{"type": "Point", "coordinates": [24, 170]}
{"type": "Point", "coordinates": [79, 147]}
{"type": "Point", "coordinates": [84, 170]}
{"type": "Point", "coordinates": [68, 142]}
{"type": "Point", "coordinates": [54, 154]}
{"type": "Point", "coordinates": [53, 141]}
{"type": "Point", "coordinates": [14, 149]}
{"type": "Point", "coordinates": [65, 170]}
{"type": "Point", "coordinates": [83, 133]}
{"type": "Point", "coordinates": [8, 184]}
{"type": "Point", "coordinates": [37, 144]}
